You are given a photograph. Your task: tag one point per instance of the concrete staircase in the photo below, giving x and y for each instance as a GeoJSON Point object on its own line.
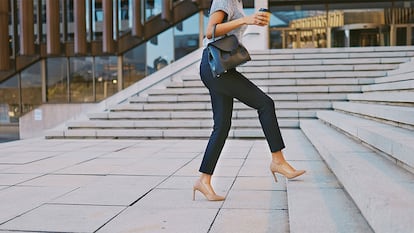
{"type": "Point", "coordinates": [302, 82]}
{"type": "Point", "coordinates": [354, 106]}
{"type": "Point", "coordinates": [368, 143]}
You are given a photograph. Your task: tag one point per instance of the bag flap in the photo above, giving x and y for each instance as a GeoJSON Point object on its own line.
{"type": "Point", "coordinates": [227, 43]}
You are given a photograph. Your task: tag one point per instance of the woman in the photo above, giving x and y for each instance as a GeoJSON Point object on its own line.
{"type": "Point", "coordinates": [230, 19]}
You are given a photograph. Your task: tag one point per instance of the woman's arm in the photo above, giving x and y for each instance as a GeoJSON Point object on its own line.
{"type": "Point", "coordinates": [217, 17]}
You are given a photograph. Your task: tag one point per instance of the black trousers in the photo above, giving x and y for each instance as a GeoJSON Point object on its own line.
{"type": "Point", "coordinates": [222, 91]}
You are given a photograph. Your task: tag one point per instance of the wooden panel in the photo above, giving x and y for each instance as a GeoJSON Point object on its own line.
{"type": "Point", "coordinates": [108, 27]}
{"type": "Point", "coordinates": [137, 28]}
{"type": "Point", "coordinates": [52, 27]}
{"type": "Point", "coordinates": [80, 27]}
{"type": "Point", "coordinates": [27, 46]}
{"type": "Point", "coordinates": [167, 13]}
{"type": "Point", "coordinates": [4, 36]}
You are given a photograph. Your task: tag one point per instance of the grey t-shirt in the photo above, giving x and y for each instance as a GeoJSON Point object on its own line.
{"type": "Point", "coordinates": [234, 10]}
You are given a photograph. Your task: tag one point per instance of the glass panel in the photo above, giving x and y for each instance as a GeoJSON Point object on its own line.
{"type": "Point", "coordinates": [10, 30]}
{"type": "Point", "coordinates": [43, 21]}
{"type": "Point", "coordinates": [70, 20]}
{"type": "Point", "coordinates": [401, 36]}
{"type": "Point", "coordinates": [361, 24]}
{"type": "Point", "coordinates": [89, 17]}
{"type": "Point", "coordinates": [186, 36]}
{"type": "Point", "coordinates": [160, 50]}
{"type": "Point", "coordinates": [134, 68]}
{"type": "Point", "coordinates": [106, 77]}
{"type": "Point", "coordinates": [97, 19]}
{"type": "Point", "coordinates": [125, 10]}
{"type": "Point", "coordinates": [31, 84]}
{"type": "Point", "coordinates": [9, 110]}
{"type": "Point", "coordinates": [152, 8]}
{"type": "Point", "coordinates": [81, 79]}
{"type": "Point", "coordinates": [57, 82]}
{"type": "Point", "coordinates": [9, 101]}
{"type": "Point", "coordinates": [301, 26]}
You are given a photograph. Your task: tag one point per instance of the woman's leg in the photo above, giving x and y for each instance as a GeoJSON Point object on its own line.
{"type": "Point", "coordinates": [222, 106]}
{"type": "Point", "coordinates": [236, 85]}
{"type": "Point", "coordinates": [239, 87]}
{"type": "Point", "coordinates": [222, 112]}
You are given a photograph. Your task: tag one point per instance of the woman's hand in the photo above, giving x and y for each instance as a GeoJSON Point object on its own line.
{"type": "Point", "coordinates": [259, 18]}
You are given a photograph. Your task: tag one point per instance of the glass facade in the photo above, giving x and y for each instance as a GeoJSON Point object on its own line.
{"type": "Point", "coordinates": [356, 24]}
{"type": "Point", "coordinates": [10, 101]}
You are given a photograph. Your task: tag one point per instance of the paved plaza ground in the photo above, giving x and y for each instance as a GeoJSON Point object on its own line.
{"type": "Point", "coordinates": [146, 186]}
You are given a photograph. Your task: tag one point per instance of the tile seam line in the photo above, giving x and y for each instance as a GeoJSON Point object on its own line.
{"type": "Point", "coordinates": [157, 185]}
{"type": "Point", "coordinates": [231, 186]}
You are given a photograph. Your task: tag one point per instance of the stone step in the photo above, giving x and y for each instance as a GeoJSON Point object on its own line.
{"type": "Point", "coordinates": [403, 68]}
{"type": "Point", "coordinates": [327, 61]}
{"type": "Point", "coordinates": [400, 85]}
{"type": "Point", "coordinates": [320, 68]}
{"type": "Point", "coordinates": [192, 114]}
{"type": "Point", "coordinates": [267, 89]}
{"type": "Point", "coordinates": [383, 191]}
{"type": "Point", "coordinates": [396, 97]}
{"type": "Point", "coordinates": [309, 75]}
{"type": "Point", "coordinates": [398, 114]}
{"type": "Point", "coordinates": [396, 143]}
{"type": "Point", "coordinates": [395, 78]}
{"type": "Point", "coordinates": [206, 97]}
{"type": "Point", "coordinates": [284, 82]}
{"type": "Point", "coordinates": [318, 104]}
{"type": "Point", "coordinates": [317, 192]}
{"type": "Point", "coordinates": [339, 54]}
{"type": "Point", "coordinates": [254, 132]}
{"type": "Point", "coordinates": [160, 124]}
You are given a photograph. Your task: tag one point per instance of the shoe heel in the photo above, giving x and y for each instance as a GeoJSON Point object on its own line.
{"type": "Point", "coordinates": [194, 191]}
{"type": "Point", "coordinates": [274, 175]}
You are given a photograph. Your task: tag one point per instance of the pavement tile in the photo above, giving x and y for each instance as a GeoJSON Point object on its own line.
{"type": "Point", "coordinates": [95, 167]}
{"type": "Point", "coordinates": [259, 184]}
{"type": "Point", "coordinates": [256, 167]}
{"type": "Point", "coordinates": [220, 184]}
{"type": "Point", "coordinates": [14, 179]}
{"type": "Point", "coordinates": [16, 158]}
{"type": "Point", "coordinates": [265, 200]}
{"type": "Point", "coordinates": [16, 200]}
{"type": "Point", "coordinates": [49, 165]}
{"type": "Point", "coordinates": [156, 220]}
{"type": "Point", "coordinates": [111, 190]}
{"type": "Point", "coordinates": [190, 169]}
{"type": "Point", "coordinates": [251, 221]}
{"type": "Point", "coordinates": [227, 171]}
{"type": "Point", "coordinates": [151, 167]}
{"type": "Point", "coordinates": [176, 199]}
{"type": "Point", "coordinates": [57, 181]}
{"type": "Point", "coordinates": [64, 218]}
{"type": "Point", "coordinates": [4, 167]}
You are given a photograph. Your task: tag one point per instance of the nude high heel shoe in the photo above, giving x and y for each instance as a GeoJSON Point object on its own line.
{"type": "Point", "coordinates": [208, 193]}
{"type": "Point", "coordinates": [284, 169]}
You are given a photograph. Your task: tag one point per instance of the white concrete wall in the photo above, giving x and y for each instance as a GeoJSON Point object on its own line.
{"type": "Point", "coordinates": [257, 37]}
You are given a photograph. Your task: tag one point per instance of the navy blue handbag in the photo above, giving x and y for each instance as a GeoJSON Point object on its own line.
{"type": "Point", "coordinates": [226, 53]}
